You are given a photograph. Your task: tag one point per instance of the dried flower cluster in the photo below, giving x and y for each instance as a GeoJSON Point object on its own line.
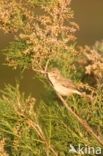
{"type": "Point", "coordinates": [10, 16]}
{"type": "Point", "coordinates": [92, 61]}
{"type": "Point", "coordinates": [48, 33]}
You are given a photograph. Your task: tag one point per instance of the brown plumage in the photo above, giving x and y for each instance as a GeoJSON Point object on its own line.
{"type": "Point", "coordinates": [63, 86]}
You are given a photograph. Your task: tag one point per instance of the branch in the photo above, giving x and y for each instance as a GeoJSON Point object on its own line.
{"type": "Point", "coordinates": [81, 121]}
{"type": "Point", "coordinates": [40, 71]}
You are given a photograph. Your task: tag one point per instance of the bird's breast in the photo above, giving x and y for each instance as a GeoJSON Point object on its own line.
{"type": "Point", "coordinates": [63, 90]}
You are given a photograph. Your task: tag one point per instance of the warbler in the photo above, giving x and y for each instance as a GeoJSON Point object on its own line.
{"type": "Point", "coordinates": [62, 85]}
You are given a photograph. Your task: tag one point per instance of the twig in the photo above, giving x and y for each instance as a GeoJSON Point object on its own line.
{"type": "Point", "coordinates": [46, 66]}
{"type": "Point", "coordinates": [40, 71]}
{"type": "Point", "coordinates": [81, 121]}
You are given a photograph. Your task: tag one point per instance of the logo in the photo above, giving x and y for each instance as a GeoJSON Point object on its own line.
{"type": "Point", "coordinates": [80, 149]}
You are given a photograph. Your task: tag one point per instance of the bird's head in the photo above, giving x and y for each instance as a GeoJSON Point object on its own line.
{"type": "Point", "coordinates": [54, 72]}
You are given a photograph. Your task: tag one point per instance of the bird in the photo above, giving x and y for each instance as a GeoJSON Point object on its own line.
{"type": "Point", "coordinates": [62, 85]}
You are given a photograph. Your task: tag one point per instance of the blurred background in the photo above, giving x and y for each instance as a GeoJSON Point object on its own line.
{"type": "Point", "coordinates": [89, 16]}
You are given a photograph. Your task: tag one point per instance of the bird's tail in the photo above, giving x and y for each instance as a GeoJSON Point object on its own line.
{"type": "Point", "coordinates": [77, 92]}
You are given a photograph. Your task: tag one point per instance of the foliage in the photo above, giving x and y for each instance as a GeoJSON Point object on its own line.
{"type": "Point", "coordinates": [47, 34]}
{"type": "Point", "coordinates": [45, 38]}
{"type": "Point", "coordinates": [16, 56]}
{"type": "Point", "coordinates": [32, 128]}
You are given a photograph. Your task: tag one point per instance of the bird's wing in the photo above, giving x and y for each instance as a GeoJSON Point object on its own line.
{"type": "Point", "coordinates": [68, 83]}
